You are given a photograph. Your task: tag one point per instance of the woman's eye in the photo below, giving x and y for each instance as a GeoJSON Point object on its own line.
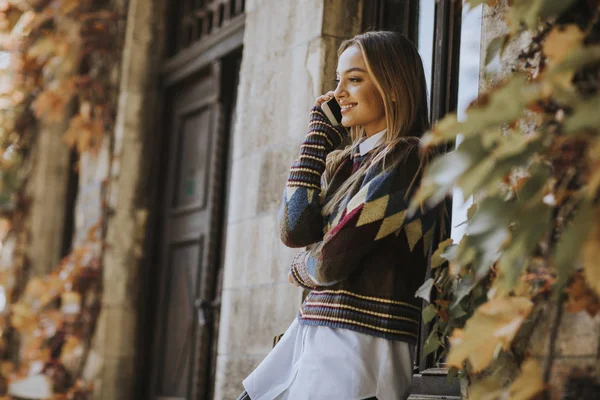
{"type": "Point", "coordinates": [337, 80]}
{"type": "Point", "coordinates": [354, 80]}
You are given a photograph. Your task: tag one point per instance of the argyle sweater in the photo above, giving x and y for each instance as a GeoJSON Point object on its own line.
{"type": "Point", "coordinates": [369, 257]}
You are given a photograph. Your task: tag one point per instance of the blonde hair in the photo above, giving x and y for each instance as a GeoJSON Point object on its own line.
{"type": "Point", "coordinates": [396, 69]}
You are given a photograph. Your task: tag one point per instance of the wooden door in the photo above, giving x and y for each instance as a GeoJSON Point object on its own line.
{"type": "Point", "coordinates": [191, 232]}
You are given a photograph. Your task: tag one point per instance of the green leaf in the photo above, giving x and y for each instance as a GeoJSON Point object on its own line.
{"type": "Point", "coordinates": [464, 288]}
{"type": "Point", "coordinates": [457, 312]}
{"type": "Point", "coordinates": [533, 190]}
{"type": "Point", "coordinates": [473, 179]}
{"type": "Point", "coordinates": [492, 212]}
{"type": "Point", "coordinates": [496, 47]}
{"type": "Point", "coordinates": [585, 116]}
{"type": "Point", "coordinates": [531, 225]}
{"type": "Point", "coordinates": [437, 259]}
{"type": "Point", "coordinates": [441, 175]}
{"type": "Point", "coordinates": [504, 104]}
{"type": "Point", "coordinates": [429, 313]}
{"type": "Point", "coordinates": [432, 343]}
{"type": "Point", "coordinates": [568, 250]}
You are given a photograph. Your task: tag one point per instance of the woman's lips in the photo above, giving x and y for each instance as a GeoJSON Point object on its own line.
{"type": "Point", "coordinates": [347, 107]}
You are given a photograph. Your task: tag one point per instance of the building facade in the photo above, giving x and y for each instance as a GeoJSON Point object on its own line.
{"type": "Point", "coordinates": [213, 104]}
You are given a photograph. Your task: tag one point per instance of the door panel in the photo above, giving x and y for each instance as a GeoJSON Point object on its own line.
{"type": "Point", "coordinates": [191, 223]}
{"type": "Point", "coordinates": [174, 378]}
{"type": "Point", "coordinates": [193, 165]}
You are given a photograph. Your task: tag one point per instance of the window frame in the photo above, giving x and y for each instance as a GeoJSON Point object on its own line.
{"type": "Point", "coordinates": [402, 16]}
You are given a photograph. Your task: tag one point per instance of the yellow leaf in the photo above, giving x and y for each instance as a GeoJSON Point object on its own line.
{"type": "Point", "coordinates": [492, 326]}
{"type": "Point", "coordinates": [561, 41]}
{"type": "Point", "coordinates": [436, 258]}
{"type": "Point", "coordinates": [529, 383]}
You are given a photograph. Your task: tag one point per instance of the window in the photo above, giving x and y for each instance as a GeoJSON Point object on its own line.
{"type": "Point", "coordinates": [448, 39]}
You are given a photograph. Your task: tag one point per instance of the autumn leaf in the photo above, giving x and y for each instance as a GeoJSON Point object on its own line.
{"type": "Point", "coordinates": [591, 258]}
{"type": "Point", "coordinates": [84, 133]}
{"type": "Point", "coordinates": [475, 3]}
{"type": "Point", "coordinates": [23, 318]}
{"type": "Point", "coordinates": [492, 326]}
{"type": "Point", "coordinates": [561, 40]}
{"type": "Point", "coordinates": [529, 383]}
{"type": "Point", "coordinates": [50, 104]}
{"type": "Point", "coordinates": [581, 297]}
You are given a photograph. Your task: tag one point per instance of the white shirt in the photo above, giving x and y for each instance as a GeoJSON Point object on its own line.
{"type": "Point", "coordinates": [323, 363]}
{"type": "Point", "coordinates": [371, 142]}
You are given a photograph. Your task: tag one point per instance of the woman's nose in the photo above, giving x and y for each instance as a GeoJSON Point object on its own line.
{"type": "Point", "coordinates": [339, 91]}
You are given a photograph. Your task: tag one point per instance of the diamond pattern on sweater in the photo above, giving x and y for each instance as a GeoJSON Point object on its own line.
{"type": "Point", "coordinates": [358, 199]}
{"type": "Point", "coordinates": [390, 224]}
{"type": "Point", "coordinates": [414, 232]}
{"type": "Point", "coordinates": [427, 239]}
{"type": "Point", "coordinates": [373, 211]}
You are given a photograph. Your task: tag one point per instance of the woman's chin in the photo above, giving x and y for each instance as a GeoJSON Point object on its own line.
{"type": "Point", "coordinates": [347, 122]}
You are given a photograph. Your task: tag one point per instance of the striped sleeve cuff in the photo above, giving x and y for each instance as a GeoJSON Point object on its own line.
{"type": "Point", "coordinates": [299, 272]}
{"type": "Point", "coordinates": [322, 138]}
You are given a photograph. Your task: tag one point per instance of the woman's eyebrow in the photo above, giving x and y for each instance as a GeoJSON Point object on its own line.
{"type": "Point", "coordinates": [352, 70]}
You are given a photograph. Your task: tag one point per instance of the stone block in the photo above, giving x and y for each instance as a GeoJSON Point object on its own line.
{"type": "Point", "coordinates": [254, 254]}
{"type": "Point", "coordinates": [275, 26]}
{"type": "Point", "coordinates": [274, 169]}
{"type": "Point", "coordinates": [231, 371]}
{"type": "Point", "coordinates": [263, 113]}
{"type": "Point", "coordinates": [251, 317]}
{"type": "Point", "coordinates": [244, 186]}
{"type": "Point", "coordinates": [577, 335]}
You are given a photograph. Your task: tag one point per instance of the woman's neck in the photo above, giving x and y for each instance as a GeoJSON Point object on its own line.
{"type": "Point", "coordinates": [372, 130]}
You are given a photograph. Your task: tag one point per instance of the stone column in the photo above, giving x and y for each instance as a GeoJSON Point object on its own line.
{"type": "Point", "coordinates": [112, 363]}
{"type": "Point", "coordinates": [290, 55]}
{"type": "Point", "coordinates": [47, 188]}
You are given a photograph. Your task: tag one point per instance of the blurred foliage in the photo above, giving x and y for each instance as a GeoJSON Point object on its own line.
{"type": "Point", "coordinates": [58, 68]}
{"type": "Point", "coordinates": [529, 154]}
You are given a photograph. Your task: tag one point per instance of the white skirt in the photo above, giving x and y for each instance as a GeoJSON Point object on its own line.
{"type": "Point", "coordinates": [322, 363]}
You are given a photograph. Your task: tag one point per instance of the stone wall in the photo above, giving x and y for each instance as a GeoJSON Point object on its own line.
{"type": "Point", "coordinates": [289, 58]}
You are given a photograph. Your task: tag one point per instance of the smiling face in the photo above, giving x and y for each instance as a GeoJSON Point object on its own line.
{"type": "Point", "coordinates": [361, 102]}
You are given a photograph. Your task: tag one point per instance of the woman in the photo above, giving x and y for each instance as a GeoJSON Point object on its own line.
{"type": "Point", "coordinates": [355, 332]}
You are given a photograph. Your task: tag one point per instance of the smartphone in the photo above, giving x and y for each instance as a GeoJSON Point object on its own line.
{"type": "Point", "coordinates": [333, 111]}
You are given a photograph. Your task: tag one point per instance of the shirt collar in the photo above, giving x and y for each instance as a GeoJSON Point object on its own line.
{"type": "Point", "coordinates": [371, 142]}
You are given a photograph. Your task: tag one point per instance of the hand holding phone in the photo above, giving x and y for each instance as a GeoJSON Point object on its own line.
{"type": "Point", "coordinates": [333, 111]}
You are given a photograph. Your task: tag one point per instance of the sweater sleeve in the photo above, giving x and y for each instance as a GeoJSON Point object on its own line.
{"type": "Point", "coordinates": [377, 210]}
{"type": "Point", "coordinates": [300, 220]}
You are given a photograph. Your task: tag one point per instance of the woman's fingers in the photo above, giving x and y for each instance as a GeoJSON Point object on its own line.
{"type": "Point", "coordinates": [291, 279]}
{"type": "Point", "coordinates": [323, 98]}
